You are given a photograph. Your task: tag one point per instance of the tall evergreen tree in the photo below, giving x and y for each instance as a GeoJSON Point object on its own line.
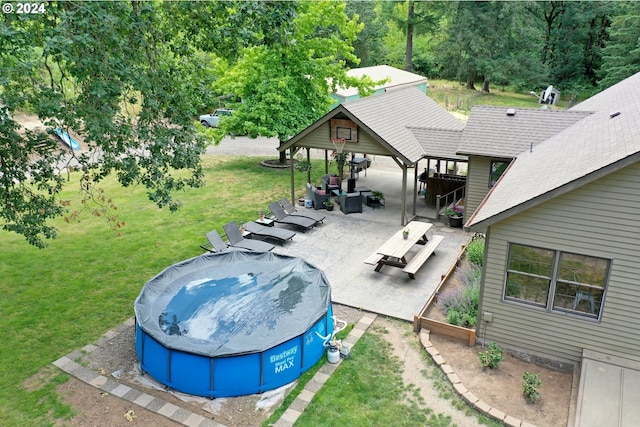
{"type": "Point", "coordinates": [574, 33]}
{"type": "Point", "coordinates": [367, 46]}
{"type": "Point", "coordinates": [487, 41]}
{"type": "Point", "coordinates": [621, 54]}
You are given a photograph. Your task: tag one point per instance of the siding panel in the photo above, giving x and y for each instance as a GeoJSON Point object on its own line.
{"type": "Point", "coordinates": [320, 138]}
{"type": "Point", "coordinates": [477, 183]}
{"type": "Point", "coordinates": [584, 221]}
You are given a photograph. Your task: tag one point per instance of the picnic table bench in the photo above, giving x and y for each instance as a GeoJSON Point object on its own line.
{"type": "Point", "coordinates": [421, 257]}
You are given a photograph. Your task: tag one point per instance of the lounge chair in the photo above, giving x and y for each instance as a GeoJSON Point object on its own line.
{"type": "Point", "coordinates": [237, 241]}
{"type": "Point", "coordinates": [262, 232]}
{"type": "Point", "coordinates": [216, 244]}
{"type": "Point", "coordinates": [282, 217]}
{"type": "Point", "coordinates": [291, 210]}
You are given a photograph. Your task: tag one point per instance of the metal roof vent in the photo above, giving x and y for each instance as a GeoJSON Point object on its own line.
{"type": "Point", "coordinates": [616, 114]}
{"type": "Point", "coordinates": [511, 111]}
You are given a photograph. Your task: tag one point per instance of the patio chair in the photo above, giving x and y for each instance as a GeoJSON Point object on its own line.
{"type": "Point", "coordinates": [216, 244]}
{"type": "Point", "coordinates": [331, 182]}
{"type": "Point", "coordinates": [291, 210]}
{"type": "Point", "coordinates": [318, 197]}
{"type": "Point", "coordinates": [280, 234]}
{"type": "Point", "coordinates": [237, 241]}
{"type": "Point", "coordinates": [281, 217]}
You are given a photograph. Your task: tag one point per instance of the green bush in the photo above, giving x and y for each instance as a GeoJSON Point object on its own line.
{"type": "Point", "coordinates": [492, 357]}
{"type": "Point", "coordinates": [530, 384]}
{"type": "Point", "coordinates": [453, 317]}
{"type": "Point", "coordinates": [475, 251]}
{"type": "Point", "coordinates": [463, 301]}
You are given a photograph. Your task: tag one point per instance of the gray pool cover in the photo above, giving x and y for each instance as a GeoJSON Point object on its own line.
{"type": "Point", "coordinates": [232, 303]}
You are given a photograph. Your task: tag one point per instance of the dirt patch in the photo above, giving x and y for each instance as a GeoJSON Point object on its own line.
{"type": "Point", "coordinates": [500, 388]}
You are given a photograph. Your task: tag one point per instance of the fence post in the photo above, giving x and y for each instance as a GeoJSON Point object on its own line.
{"type": "Point", "coordinates": [437, 218]}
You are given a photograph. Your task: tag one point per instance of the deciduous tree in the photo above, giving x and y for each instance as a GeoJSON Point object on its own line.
{"type": "Point", "coordinates": [285, 86]}
{"type": "Point", "coordinates": [111, 72]}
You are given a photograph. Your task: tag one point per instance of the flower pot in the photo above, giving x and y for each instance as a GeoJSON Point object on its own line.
{"type": "Point", "coordinates": [329, 207]}
{"type": "Point", "coordinates": [455, 221]}
{"type": "Point", "coordinates": [405, 236]}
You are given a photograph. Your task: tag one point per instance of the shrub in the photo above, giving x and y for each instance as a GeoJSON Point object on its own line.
{"type": "Point", "coordinates": [530, 384]}
{"type": "Point", "coordinates": [492, 357]}
{"type": "Point", "coordinates": [475, 251]}
{"type": "Point", "coordinates": [463, 301]}
{"type": "Point", "coordinates": [453, 317]}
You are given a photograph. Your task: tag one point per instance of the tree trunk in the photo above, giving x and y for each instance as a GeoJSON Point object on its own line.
{"type": "Point", "coordinates": [485, 85]}
{"type": "Point", "coordinates": [470, 80]}
{"type": "Point", "coordinates": [408, 62]}
{"type": "Point", "coordinates": [282, 154]}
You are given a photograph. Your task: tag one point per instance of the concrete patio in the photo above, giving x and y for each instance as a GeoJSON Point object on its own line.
{"type": "Point", "coordinates": [340, 246]}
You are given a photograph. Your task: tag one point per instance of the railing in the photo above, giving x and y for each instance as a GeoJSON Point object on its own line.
{"type": "Point", "coordinates": [449, 198]}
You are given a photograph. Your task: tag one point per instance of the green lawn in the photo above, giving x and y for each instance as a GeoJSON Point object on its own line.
{"type": "Point", "coordinates": [59, 299]}
{"type": "Point", "coordinates": [454, 97]}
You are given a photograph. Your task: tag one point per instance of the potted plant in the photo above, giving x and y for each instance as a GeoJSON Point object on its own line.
{"type": "Point", "coordinates": [303, 166]}
{"type": "Point", "coordinates": [328, 204]}
{"type": "Point", "coordinates": [454, 214]}
{"type": "Point", "coordinates": [405, 233]}
{"type": "Point", "coordinates": [375, 199]}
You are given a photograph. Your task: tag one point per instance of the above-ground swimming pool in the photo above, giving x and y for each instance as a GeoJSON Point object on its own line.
{"type": "Point", "coordinates": [232, 324]}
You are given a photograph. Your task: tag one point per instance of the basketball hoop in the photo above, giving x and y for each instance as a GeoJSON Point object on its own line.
{"type": "Point", "coordinates": [339, 140]}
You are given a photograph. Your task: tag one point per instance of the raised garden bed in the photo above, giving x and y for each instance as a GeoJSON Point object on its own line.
{"type": "Point", "coordinates": [432, 317]}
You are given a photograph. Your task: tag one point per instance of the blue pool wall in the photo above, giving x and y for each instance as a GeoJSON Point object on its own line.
{"type": "Point", "coordinates": [235, 375]}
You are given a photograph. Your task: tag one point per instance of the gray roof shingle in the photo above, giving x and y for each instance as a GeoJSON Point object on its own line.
{"type": "Point", "coordinates": [439, 143]}
{"type": "Point", "coordinates": [390, 115]}
{"type": "Point", "coordinates": [491, 132]}
{"type": "Point", "coordinates": [593, 146]}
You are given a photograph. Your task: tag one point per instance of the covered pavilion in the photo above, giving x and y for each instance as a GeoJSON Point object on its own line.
{"type": "Point", "coordinates": [404, 124]}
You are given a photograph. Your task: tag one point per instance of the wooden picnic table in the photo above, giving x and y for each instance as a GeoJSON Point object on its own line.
{"type": "Point", "coordinates": [397, 246]}
{"type": "Point", "coordinates": [393, 252]}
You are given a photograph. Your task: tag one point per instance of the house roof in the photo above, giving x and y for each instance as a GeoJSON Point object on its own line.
{"type": "Point", "coordinates": [396, 76]}
{"type": "Point", "coordinates": [599, 144]}
{"type": "Point", "coordinates": [505, 132]}
{"type": "Point", "coordinates": [388, 117]}
{"type": "Point", "coordinates": [439, 143]}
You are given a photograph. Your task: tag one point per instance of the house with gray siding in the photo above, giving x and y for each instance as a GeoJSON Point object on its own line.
{"type": "Point", "coordinates": [561, 274]}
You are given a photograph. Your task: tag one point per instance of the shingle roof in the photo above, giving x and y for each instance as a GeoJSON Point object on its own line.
{"type": "Point", "coordinates": [593, 146]}
{"type": "Point", "coordinates": [390, 115]}
{"type": "Point", "coordinates": [438, 143]}
{"type": "Point", "coordinates": [491, 132]}
{"type": "Point", "coordinates": [396, 76]}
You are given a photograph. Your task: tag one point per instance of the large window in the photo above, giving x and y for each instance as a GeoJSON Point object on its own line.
{"type": "Point", "coordinates": [555, 280]}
